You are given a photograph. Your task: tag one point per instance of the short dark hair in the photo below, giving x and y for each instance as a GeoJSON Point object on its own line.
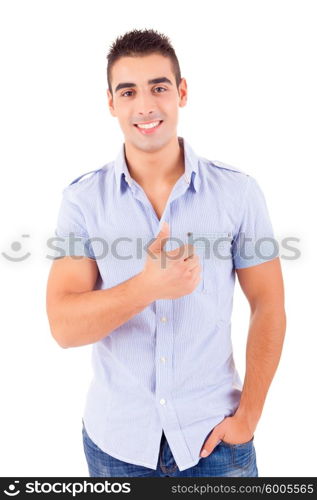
{"type": "Point", "coordinates": [140, 43]}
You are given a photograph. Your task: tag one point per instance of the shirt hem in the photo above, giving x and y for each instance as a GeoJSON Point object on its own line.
{"type": "Point", "coordinates": [144, 464]}
{"type": "Point", "coordinates": [119, 457]}
{"type": "Point", "coordinates": [187, 466]}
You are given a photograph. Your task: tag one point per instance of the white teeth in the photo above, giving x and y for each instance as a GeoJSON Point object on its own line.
{"type": "Point", "coordinates": [149, 125]}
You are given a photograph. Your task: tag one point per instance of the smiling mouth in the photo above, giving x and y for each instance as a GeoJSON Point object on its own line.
{"type": "Point", "coordinates": [148, 127]}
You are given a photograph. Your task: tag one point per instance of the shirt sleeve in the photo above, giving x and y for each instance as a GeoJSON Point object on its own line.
{"type": "Point", "coordinates": [254, 242]}
{"type": "Point", "coordinates": [71, 236]}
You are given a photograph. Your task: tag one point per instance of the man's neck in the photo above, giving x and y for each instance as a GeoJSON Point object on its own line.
{"type": "Point", "coordinates": [159, 168]}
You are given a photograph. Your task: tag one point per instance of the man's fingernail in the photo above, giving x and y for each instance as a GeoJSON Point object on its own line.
{"type": "Point", "coordinates": [204, 453]}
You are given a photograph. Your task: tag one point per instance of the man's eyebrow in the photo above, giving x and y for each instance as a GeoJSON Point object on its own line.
{"type": "Point", "coordinates": [124, 85]}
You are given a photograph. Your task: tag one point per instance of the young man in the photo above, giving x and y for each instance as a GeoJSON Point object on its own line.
{"type": "Point", "coordinates": [161, 233]}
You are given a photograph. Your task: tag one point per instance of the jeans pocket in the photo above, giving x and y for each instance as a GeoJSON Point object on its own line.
{"type": "Point", "coordinates": [247, 443]}
{"type": "Point", "coordinates": [242, 453]}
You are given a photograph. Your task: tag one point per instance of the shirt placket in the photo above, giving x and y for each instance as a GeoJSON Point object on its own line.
{"type": "Point", "coordinates": [164, 332]}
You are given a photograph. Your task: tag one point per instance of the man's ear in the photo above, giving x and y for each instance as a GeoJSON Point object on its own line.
{"type": "Point", "coordinates": [182, 91]}
{"type": "Point", "coordinates": [110, 103]}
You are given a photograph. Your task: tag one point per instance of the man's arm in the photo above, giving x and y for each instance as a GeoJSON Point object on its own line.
{"type": "Point", "coordinates": [79, 315]}
{"type": "Point", "coordinates": [263, 286]}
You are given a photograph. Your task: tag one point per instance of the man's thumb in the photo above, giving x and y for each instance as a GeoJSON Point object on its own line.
{"type": "Point", "coordinates": [160, 240]}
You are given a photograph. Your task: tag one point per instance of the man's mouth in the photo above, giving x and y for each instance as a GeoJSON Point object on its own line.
{"type": "Point", "coordinates": [148, 127]}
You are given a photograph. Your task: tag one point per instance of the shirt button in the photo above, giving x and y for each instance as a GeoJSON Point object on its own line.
{"type": "Point", "coordinates": [163, 319]}
{"type": "Point", "coordinates": [163, 359]}
{"type": "Point", "coordinates": [162, 401]}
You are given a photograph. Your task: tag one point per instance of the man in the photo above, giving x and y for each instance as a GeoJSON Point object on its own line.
{"type": "Point", "coordinates": [135, 277]}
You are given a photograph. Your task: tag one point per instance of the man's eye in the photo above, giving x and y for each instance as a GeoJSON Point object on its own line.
{"type": "Point", "coordinates": [127, 91]}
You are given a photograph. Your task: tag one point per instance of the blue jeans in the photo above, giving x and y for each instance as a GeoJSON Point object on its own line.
{"type": "Point", "coordinates": [226, 460]}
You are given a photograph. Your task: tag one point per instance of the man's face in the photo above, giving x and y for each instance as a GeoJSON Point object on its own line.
{"type": "Point", "coordinates": [136, 99]}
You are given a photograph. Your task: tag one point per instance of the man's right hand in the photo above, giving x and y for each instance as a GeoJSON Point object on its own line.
{"type": "Point", "coordinates": [171, 274]}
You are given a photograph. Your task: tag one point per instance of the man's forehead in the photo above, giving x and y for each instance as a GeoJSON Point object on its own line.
{"type": "Point", "coordinates": [138, 70]}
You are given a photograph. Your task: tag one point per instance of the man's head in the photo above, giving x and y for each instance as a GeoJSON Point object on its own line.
{"type": "Point", "coordinates": [145, 85]}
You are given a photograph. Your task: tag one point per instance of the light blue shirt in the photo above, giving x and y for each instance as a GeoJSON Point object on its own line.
{"type": "Point", "coordinates": [171, 366]}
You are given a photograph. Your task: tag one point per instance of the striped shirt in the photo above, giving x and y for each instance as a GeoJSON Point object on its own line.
{"type": "Point", "coordinates": [170, 367]}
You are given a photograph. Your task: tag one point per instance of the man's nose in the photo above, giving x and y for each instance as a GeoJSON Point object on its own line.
{"type": "Point", "coordinates": [145, 106]}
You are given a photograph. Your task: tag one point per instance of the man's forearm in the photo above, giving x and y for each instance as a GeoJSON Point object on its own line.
{"type": "Point", "coordinates": [85, 318]}
{"type": "Point", "coordinates": [264, 347]}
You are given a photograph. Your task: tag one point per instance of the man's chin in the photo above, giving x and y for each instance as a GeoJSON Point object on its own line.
{"type": "Point", "coordinates": [148, 144]}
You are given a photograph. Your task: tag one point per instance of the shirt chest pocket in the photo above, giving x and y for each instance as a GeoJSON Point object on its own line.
{"type": "Point", "coordinates": [214, 255]}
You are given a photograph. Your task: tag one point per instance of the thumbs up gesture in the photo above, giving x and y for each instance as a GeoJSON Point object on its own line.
{"type": "Point", "coordinates": [171, 274]}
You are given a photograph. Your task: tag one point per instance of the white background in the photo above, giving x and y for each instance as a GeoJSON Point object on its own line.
{"type": "Point", "coordinates": [250, 69]}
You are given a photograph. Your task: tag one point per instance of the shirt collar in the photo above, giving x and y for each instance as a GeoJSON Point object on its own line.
{"type": "Point", "coordinates": [191, 174]}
